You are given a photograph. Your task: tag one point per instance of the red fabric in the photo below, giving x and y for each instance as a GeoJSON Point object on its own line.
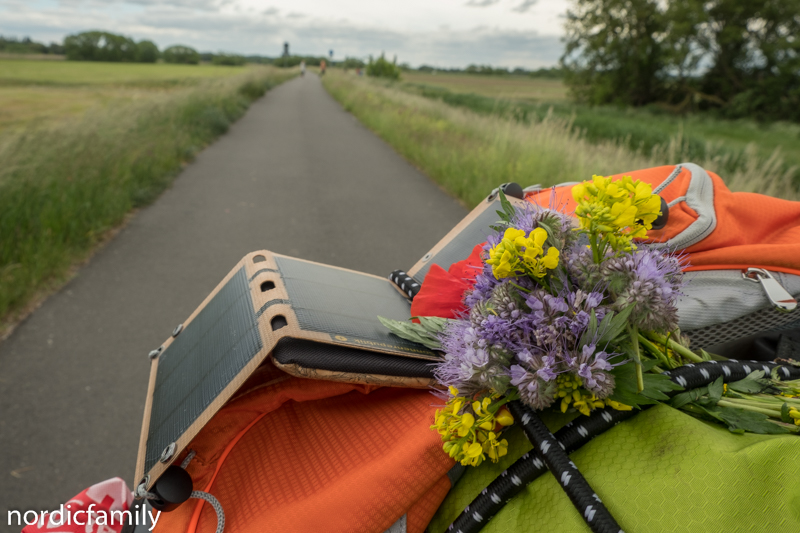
{"type": "Point", "coordinates": [442, 293]}
{"type": "Point", "coordinates": [76, 516]}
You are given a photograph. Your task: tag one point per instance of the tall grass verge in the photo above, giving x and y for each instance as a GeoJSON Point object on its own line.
{"type": "Point", "coordinates": [641, 129]}
{"type": "Point", "coordinates": [62, 188]}
{"type": "Point", "coordinates": [470, 153]}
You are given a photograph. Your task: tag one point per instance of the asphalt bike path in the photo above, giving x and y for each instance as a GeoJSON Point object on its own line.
{"type": "Point", "coordinates": [297, 175]}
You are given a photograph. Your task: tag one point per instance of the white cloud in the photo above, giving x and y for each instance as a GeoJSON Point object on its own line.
{"type": "Point", "coordinates": [525, 6]}
{"type": "Point", "coordinates": [481, 3]}
{"type": "Point", "coordinates": [443, 33]}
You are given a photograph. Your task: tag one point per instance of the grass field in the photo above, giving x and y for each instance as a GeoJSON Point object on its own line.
{"type": "Point", "coordinates": [45, 92]}
{"type": "Point", "coordinates": [519, 88]}
{"type": "Point", "coordinates": [76, 157]}
{"type": "Point", "coordinates": [730, 143]}
{"type": "Point", "coordinates": [13, 71]}
{"type": "Point", "coordinates": [470, 153]}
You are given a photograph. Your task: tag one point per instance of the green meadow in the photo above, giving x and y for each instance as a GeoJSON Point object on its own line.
{"type": "Point", "coordinates": [33, 91]}
{"type": "Point", "coordinates": [470, 142]}
{"type": "Point", "coordinates": [731, 144]}
{"type": "Point", "coordinates": [82, 144]}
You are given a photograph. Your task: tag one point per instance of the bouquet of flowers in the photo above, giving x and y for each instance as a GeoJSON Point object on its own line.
{"type": "Point", "coordinates": [568, 313]}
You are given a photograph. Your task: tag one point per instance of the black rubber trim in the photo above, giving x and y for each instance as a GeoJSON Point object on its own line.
{"type": "Point", "coordinates": [580, 431]}
{"type": "Point", "coordinates": [320, 356]}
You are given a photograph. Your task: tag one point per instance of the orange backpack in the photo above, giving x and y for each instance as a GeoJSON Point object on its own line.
{"type": "Point", "coordinates": [294, 455]}
{"type": "Point", "coordinates": [743, 251]}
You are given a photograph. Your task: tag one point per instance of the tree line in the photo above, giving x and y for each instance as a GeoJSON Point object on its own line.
{"type": "Point", "coordinates": [12, 45]}
{"type": "Point", "coordinates": [107, 46]}
{"type": "Point", "coordinates": [736, 57]}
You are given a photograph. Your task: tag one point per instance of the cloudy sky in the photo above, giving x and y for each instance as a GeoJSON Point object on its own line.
{"type": "Point", "coordinates": [436, 32]}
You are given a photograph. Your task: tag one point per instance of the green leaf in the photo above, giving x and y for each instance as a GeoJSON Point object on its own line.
{"type": "Point", "coordinates": [751, 384]}
{"type": "Point", "coordinates": [785, 414]}
{"type": "Point", "coordinates": [432, 324]}
{"type": "Point", "coordinates": [423, 334]}
{"type": "Point", "coordinates": [739, 419]}
{"type": "Point", "coordinates": [612, 326]}
{"type": "Point", "coordinates": [508, 210]}
{"type": "Point", "coordinates": [679, 400]}
{"type": "Point", "coordinates": [655, 385]}
{"type": "Point", "coordinates": [507, 207]}
{"type": "Point", "coordinates": [551, 235]}
{"type": "Point", "coordinates": [715, 390]}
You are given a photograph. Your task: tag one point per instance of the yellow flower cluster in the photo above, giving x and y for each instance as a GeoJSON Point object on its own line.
{"type": "Point", "coordinates": [794, 414]}
{"type": "Point", "coordinates": [572, 394]}
{"type": "Point", "coordinates": [470, 437]}
{"type": "Point", "coordinates": [618, 211]}
{"type": "Point", "coordinates": [519, 254]}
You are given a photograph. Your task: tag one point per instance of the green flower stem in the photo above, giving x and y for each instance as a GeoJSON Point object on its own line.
{"type": "Point", "coordinates": [768, 412]}
{"type": "Point", "coordinates": [652, 348]}
{"type": "Point", "coordinates": [633, 331]}
{"type": "Point", "coordinates": [773, 405]}
{"type": "Point", "coordinates": [595, 251]}
{"type": "Point", "coordinates": [782, 399]}
{"type": "Point", "coordinates": [677, 348]}
{"type": "Point", "coordinates": [523, 289]}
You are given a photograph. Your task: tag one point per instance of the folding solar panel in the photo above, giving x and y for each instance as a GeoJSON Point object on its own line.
{"type": "Point", "coordinates": [310, 320]}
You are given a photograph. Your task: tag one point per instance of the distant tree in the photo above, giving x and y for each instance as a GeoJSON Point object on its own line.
{"type": "Point", "coordinates": [740, 57]}
{"type": "Point", "coordinates": [230, 60]}
{"type": "Point", "coordinates": [552, 72]}
{"type": "Point", "coordinates": [293, 61]}
{"type": "Point", "coordinates": [146, 52]}
{"type": "Point", "coordinates": [181, 54]}
{"type": "Point", "coordinates": [383, 68]}
{"type": "Point", "coordinates": [486, 70]}
{"type": "Point", "coordinates": [55, 48]}
{"type": "Point", "coordinates": [352, 63]}
{"type": "Point", "coordinates": [614, 51]}
{"type": "Point", "coordinates": [100, 46]}
{"type": "Point", "coordinates": [25, 46]}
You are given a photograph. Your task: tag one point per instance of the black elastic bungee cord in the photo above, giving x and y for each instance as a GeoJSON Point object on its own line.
{"type": "Point", "coordinates": [405, 283]}
{"type": "Point", "coordinates": [580, 493]}
{"type": "Point", "coordinates": [580, 431]}
{"type": "Point", "coordinates": [577, 433]}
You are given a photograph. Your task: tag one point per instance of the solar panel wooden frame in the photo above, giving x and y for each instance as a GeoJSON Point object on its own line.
{"type": "Point", "coordinates": [262, 269]}
{"type": "Point", "coordinates": [459, 242]}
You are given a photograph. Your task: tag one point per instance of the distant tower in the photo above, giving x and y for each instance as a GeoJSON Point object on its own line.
{"type": "Point", "coordinates": [285, 49]}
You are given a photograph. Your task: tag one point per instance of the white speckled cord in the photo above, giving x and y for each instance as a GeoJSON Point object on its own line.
{"type": "Point", "coordinates": [199, 494]}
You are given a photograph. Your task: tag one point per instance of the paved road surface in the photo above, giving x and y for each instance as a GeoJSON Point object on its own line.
{"type": "Point", "coordinates": [296, 175]}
